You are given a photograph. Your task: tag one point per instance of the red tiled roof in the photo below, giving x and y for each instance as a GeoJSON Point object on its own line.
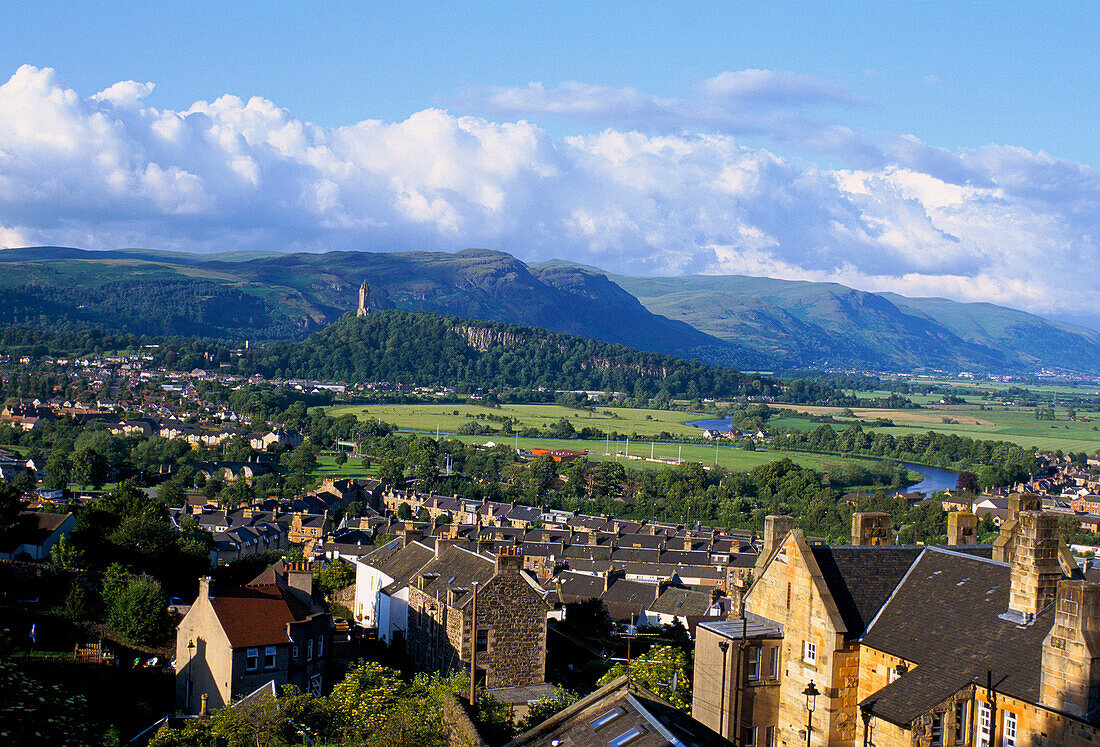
{"type": "Point", "coordinates": [257, 615]}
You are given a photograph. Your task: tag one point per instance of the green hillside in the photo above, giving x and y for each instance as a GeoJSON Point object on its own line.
{"type": "Point", "coordinates": [745, 322]}
{"type": "Point", "coordinates": [286, 297]}
{"type": "Point", "coordinates": [826, 324]}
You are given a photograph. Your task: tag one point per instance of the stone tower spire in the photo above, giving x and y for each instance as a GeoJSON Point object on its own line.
{"type": "Point", "coordinates": [364, 300]}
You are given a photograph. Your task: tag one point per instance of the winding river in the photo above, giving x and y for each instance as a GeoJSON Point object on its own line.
{"type": "Point", "coordinates": [935, 478]}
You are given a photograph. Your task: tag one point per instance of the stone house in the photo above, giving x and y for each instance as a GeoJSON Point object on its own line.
{"type": "Point", "coordinates": [956, 645]}
{"type": "Point", "coordinates": [507, 632]}
{"type": "Point", "coordinates": [232, 642]}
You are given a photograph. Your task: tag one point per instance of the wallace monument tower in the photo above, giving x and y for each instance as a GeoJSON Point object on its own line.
{"type": "Point", "coordinates": [364, 300]}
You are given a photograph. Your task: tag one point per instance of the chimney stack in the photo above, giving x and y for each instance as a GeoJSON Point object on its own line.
{"type": "Point", "coordinates": [411, 534]}
{"type": "Point", "coordinates": [206, 587]}
{"type": "Point", "coordinates": [442, 544]}
{"type": "Point", "coordinates": [299, 576]}
{"type": "Point", "coordinates": [776, 529]}
{"type": "Point", "coordinates": [872, 528]}
{"type": "Point", "coordinates": [962, 528]}
{"type": "Point", "coordinates": [1035, 568]}
{"type": "Point", "coordinates": [509, 559]}
{"type": "Point", "coordinates": [1070, 674]}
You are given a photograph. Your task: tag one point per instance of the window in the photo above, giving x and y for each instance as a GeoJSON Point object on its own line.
{"type": "Point", "coordinates": [252, 659]}
{"type": "Point", "coordinates": [626, 737]}
{"type": "Point", "coordinates": [752, 666]}
{"type": "Point", "coordinates": [774, 673]}
{"type": "Point", "coordinates": [809, 652]}
{"type": "Point", "coordinates": [1009, 739]}
{"type": "Point", "coordinates": [960, 722]}
{"type": "Point", "coordinates": [269, 657]}
{"type": "Point", "coordinates": [937, 730]}
{"type": "Point", "coordinates": [748, 737]}
{"type": "Point", "coordinates": [482, 642]}
{"type": "Point", "coordinates": [321, 645]}
{"type": "Point", "coordinates": [769, 736]}
{"type": "Point", "coordinates": [294, 652]}
{"type": "Point", "coordinates": [985, 723]}
{"type": "Point", "coordinates": [607, 718]}
{"type": "Point", "coordinates": [309, 650]}
{"type": "Point", "coordinates": [315, 685]}
{"type": "Point", "coordinates": [892, 674]}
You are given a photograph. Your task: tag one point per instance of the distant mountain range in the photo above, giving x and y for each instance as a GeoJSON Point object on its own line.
{"type": "Point", "coordinates": [746, 322]}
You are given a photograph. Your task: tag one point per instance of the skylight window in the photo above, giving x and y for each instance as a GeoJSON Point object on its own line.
{"type": "Point", "coordinates": [626, 737]}
{"type": "Point", "coordinates": [607, 718]}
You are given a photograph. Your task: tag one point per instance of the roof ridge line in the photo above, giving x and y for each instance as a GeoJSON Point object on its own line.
{"type": "Point", "coordinates": [901, 581]}
{"type": "Point", "coordinates": [970, 556]}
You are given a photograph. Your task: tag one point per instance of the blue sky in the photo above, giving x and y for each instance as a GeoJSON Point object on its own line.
{"type": "Point", "coordinates": [924, 148]}
{"type": "Point", "coordinates": [954, 74]}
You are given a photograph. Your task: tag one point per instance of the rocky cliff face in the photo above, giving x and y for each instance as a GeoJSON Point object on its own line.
{"type": "Point", "coordinates": [483, 339]}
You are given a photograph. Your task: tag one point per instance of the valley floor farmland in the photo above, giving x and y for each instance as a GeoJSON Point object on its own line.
{"type": "Point", "coordinates": [995, 423]}
{"type": "Point", "coordinates": [450, 418]}
{"type": "Point", "coordinates": [424, 417]}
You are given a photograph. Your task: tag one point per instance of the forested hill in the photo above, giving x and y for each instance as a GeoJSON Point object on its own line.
{"type": "Point", "coordinates": [422, 348]}
{"type": "Point", "coordinates": [288, 296]}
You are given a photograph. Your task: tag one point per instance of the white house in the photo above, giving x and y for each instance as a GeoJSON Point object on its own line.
{"type": "Point", "coordinates": [382, 585]}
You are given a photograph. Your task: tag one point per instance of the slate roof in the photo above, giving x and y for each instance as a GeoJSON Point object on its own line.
{"type": "Point", "coordinates": [861, 578]}
{"type": "Point", "coordinates": [681, 602]}
{"type": "Point", "coordinates": [403, 565]}
{"type": "Point", "coordinates": [457, 568]}
{"type": "Point", "coordinates": [614, 710]}
{"type": "Point", "coordinates": [945, 616]}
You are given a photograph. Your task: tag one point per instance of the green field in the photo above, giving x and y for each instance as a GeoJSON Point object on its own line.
{"type": "Point", "coordinates": [995, 423]}
{"type": "Point", "coordinates": [425, 417]}
{"type": "Point", "coordinates": [327, 467]}
{"type": "Point", "coordinates": [449, 418]}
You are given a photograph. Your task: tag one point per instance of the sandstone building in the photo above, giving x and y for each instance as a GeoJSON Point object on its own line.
{"type": "Point", "coordinates": [953, 645]}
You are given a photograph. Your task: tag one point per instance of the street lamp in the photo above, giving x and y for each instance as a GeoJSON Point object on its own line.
{"type": "Point", "coordinates": [190, 653]}
{"type": "Point", "coordinates": [865, 712]}
{"type": "Point", "coordinates": [811, 694]}
{"type": "Point", "coordinates": [724, 647]}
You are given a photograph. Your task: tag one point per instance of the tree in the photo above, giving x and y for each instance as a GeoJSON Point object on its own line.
{"type": "Point", "coordinates": [57, 470]}
{"type": "Point", "coordinates": [341, 459]}
{"type": "Point", "coordinates": [64, 554]}
{"type": "Point", "coordinates": [89, 468]}
{"type": "Point", "coordinates": [12, 504]}
{"type": "Point", "coordinates": [172, 493]}
{"type": "Point", "coordinates": [333, 578]}
{"type": "Point", "coordinates": [136, 608]}
{"type": "Point", "coordinates": [654, 671]}
{"type": "Point", "coordinates": [967, 482]}
{"type": "Point", "coordinates": [404, 512]}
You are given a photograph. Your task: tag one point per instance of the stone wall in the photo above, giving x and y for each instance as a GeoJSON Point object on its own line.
{"type": "Point", "coordinates": [459, 728]}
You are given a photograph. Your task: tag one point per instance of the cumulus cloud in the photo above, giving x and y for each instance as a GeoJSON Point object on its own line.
{"type": "Point", "coordinates": [999, 224]}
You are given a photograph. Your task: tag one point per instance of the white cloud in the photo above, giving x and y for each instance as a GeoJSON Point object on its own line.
{"type": "Point", "coordinates": [998, 223]}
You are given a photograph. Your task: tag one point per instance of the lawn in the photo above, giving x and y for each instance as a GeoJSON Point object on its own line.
{"type": "Point", "coordinates": [327, 467]}
{"type": "Point", "coordinates": [449, 418]}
